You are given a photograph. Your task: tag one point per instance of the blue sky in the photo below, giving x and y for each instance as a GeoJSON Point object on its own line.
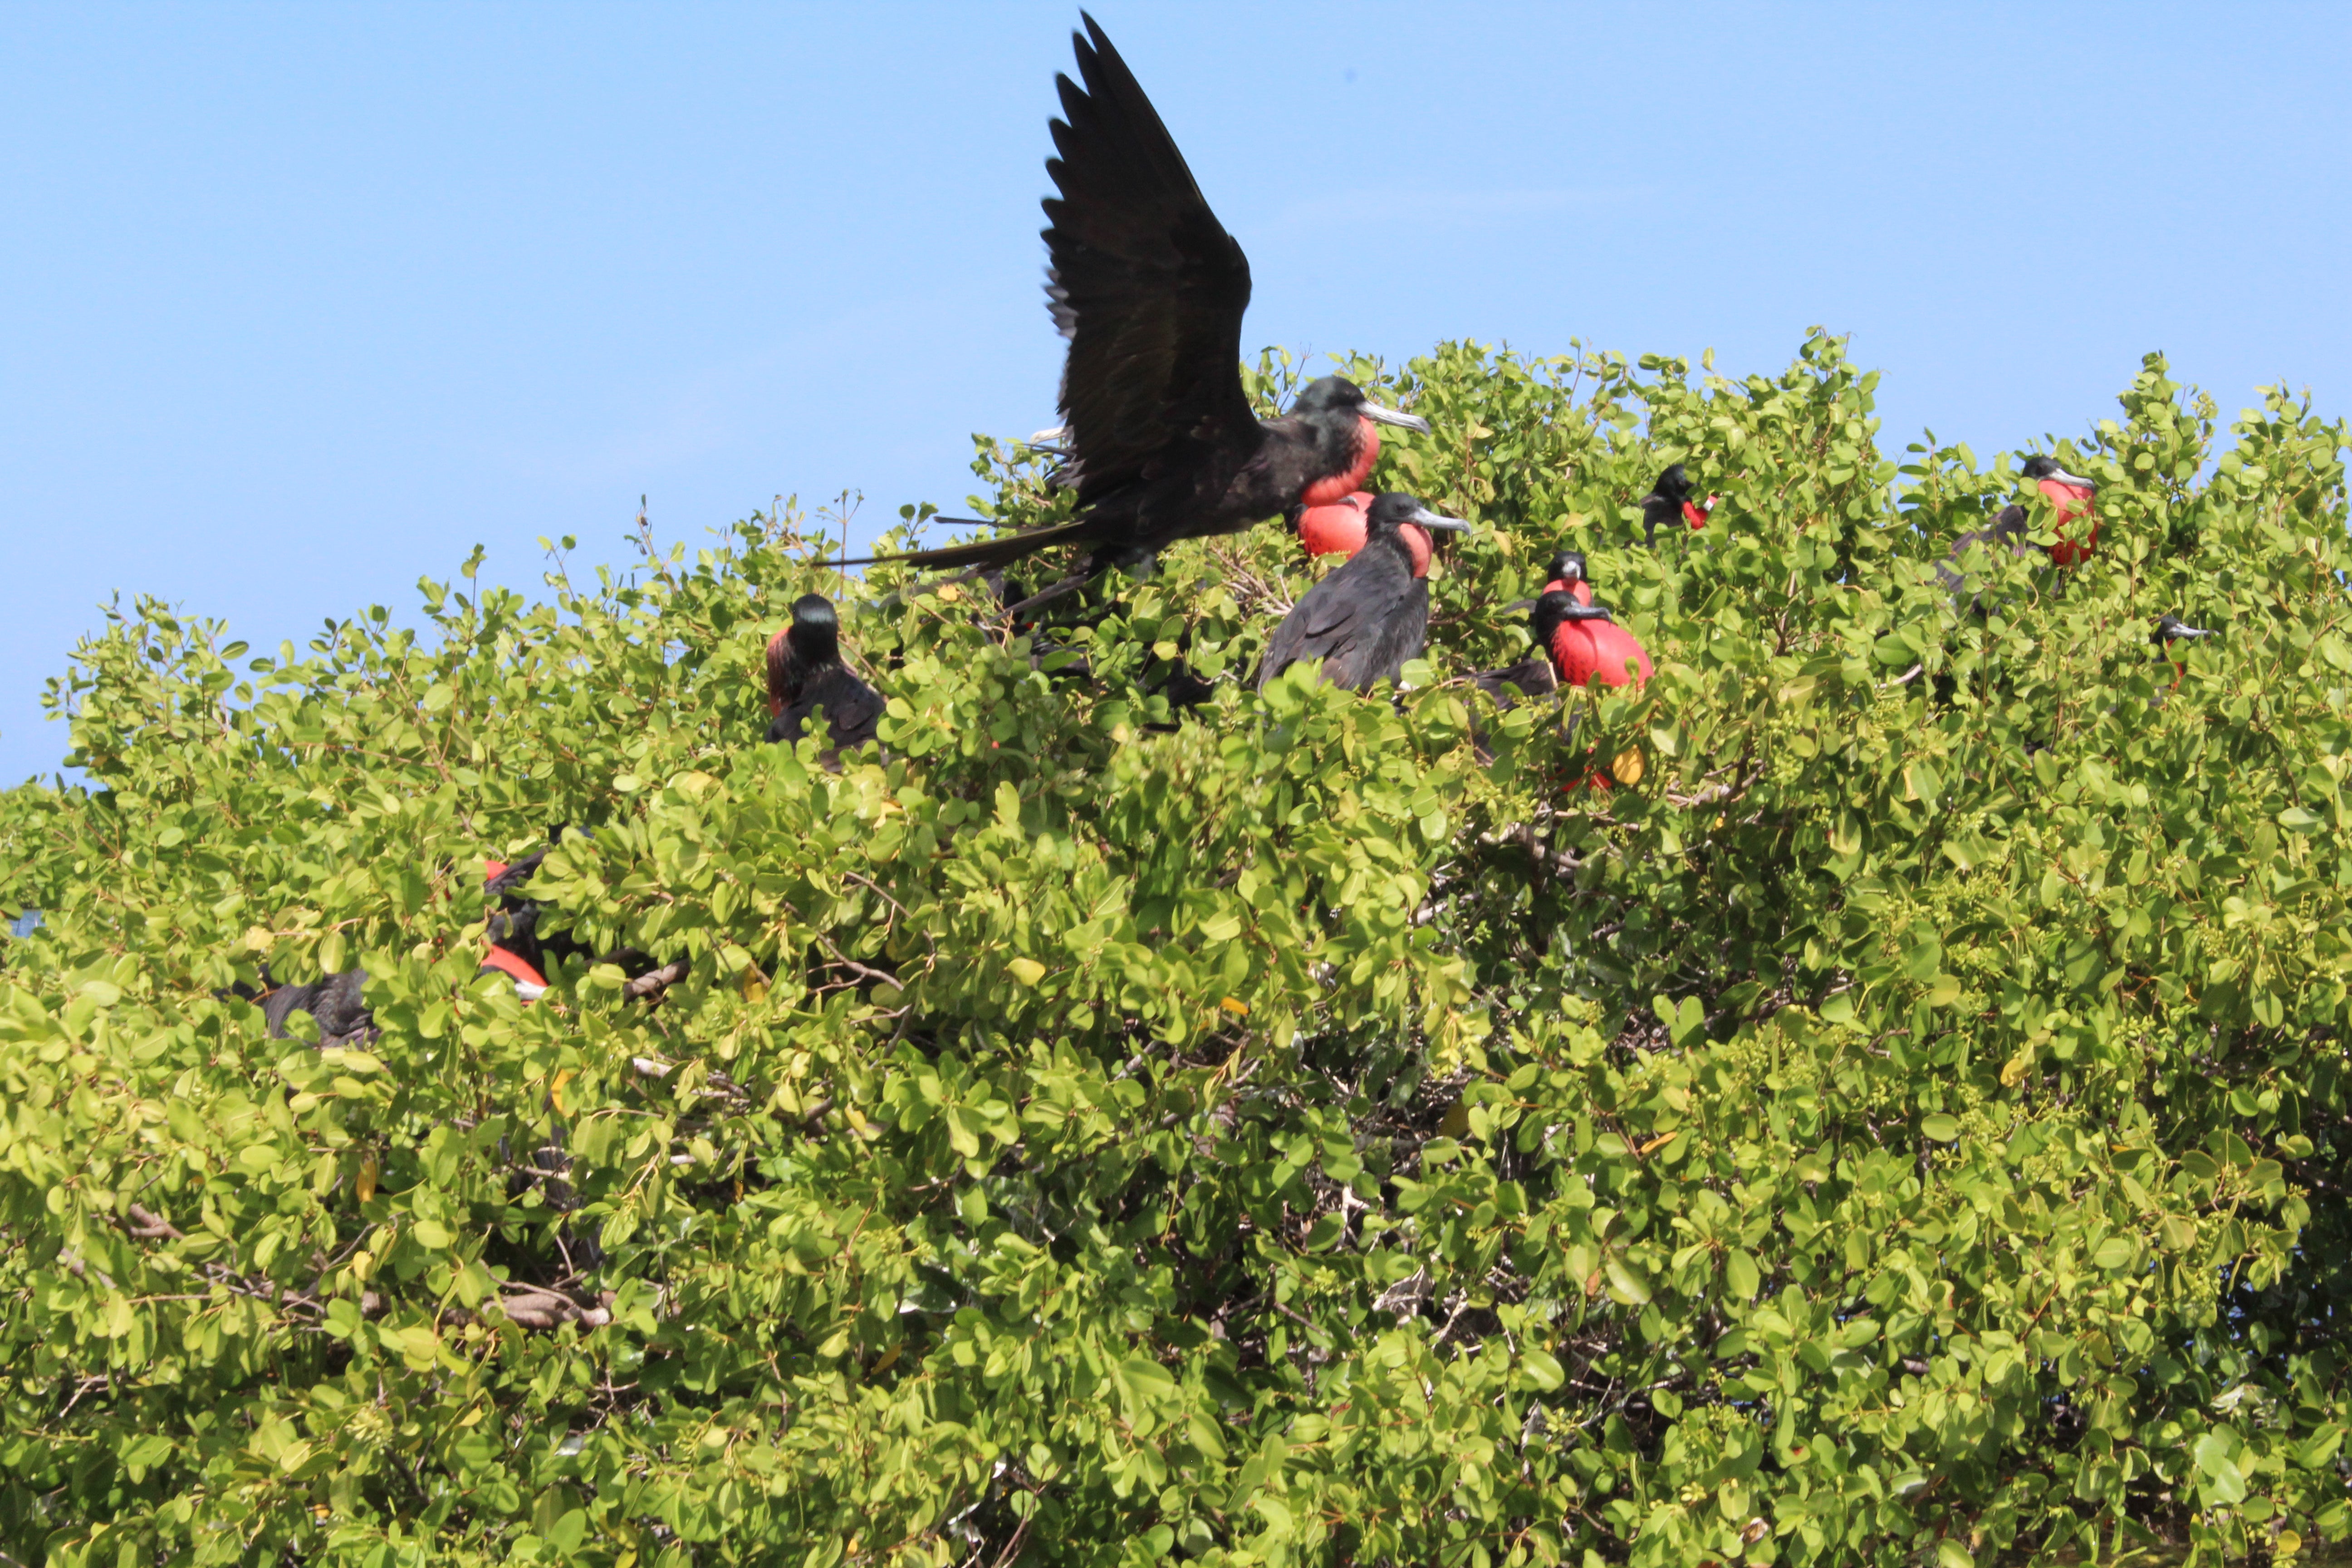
{"type": "Point", "coordinates": [302, 302]}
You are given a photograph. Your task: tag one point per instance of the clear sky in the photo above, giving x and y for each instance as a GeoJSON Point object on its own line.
{"type": "Point", "coordinates": [300, 302]}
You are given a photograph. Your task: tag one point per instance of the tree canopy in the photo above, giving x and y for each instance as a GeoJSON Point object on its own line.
{"type": "Point", "coordinates": [1874, 1093]}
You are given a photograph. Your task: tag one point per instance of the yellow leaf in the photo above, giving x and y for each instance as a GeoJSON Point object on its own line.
{"type": "Point", "coordinates": [1661, 1141]}
{"type": "Point", "coordinates": [951, 593]}
{"type": "Point", "coordinates": [365, 1184]}
{"type": "Point", "coordinates": [555, 1090]}
{"type": "Point", "coordinates": [1238, 1008]}
{"type": "Point", "coordinates": [755, 985]}
{"type": "Point", "coordinates": [1628, 767]}
{"type": "Point", "coordinates": [2013, 1071]}
{"type": "Point", "coordinates": [257, 939]}
{"type": "Point", "coordinates": [1028, 971]}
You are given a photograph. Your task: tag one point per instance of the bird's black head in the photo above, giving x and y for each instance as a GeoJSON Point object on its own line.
{"type": "Point", "coordinates": [2172, 628]}
{"type": "Point", "coordinates": [1567, 566]}
{"type": "Point", "coordinates": [816, 630]}
{"type": "Point", "coordinates": [2046, 468]}
{"type": "Point", "coordinates": [1674, 485]}
{"type": "Point", "coordinates": [1336, 399]}
{"type": "Point", "coordinates": [1390, 511]}
{"type": "Point", "coordinates": [1550, 610]}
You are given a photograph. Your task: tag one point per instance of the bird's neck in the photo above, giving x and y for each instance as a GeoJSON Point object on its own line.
{"type": "Point", "coordinates": [1347, 451]}
{"type": "Point", "coordinates": [1417, 544]}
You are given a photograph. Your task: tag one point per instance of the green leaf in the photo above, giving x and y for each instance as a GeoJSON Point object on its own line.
{"type": "Point", "coordinates": [1939, 1128]}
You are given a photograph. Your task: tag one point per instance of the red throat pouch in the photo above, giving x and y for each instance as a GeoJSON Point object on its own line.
{"type": "Point", "coordinates": [500, 959]}
{"type": "Point", "coordinates": [1322, 493]}
{"type": "Point", "coordinates": [1418, 543]}
{"type": "Point", "coordinates": [2072, 502]}
{"type": "Point", "coordinates": [1335, 528]}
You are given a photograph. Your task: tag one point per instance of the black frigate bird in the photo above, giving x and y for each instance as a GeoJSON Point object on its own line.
{"type": "Point", "coordinates": [1370, 615]}
{"type": "Point", "coordinates": [1666, 502]}
{"type": "Point", "coordinates": [2007, 531]}
{"type": "Point", "coordinates": [2170, 630]}
{"type": "Point", "coordinates": [805, 673]}
{"type": "Point", "coordinates": [335, 1001]}
{"type": "Point", "coordinates": [1148, 287]}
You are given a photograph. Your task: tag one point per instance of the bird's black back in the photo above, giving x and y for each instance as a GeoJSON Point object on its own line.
{"type": "Point", "coordinates": [852, 709]}
{"type": "Point", "coordinates": [1663, 504]}
{"type": "Point", "coordinates": [514, 924]}
{"type": "Point", "coordinates": [334, 1000]}
{"type": "Point", "coordinates": [2007, 531]}
{"type": "Point", "coordinates": [1363, 621]}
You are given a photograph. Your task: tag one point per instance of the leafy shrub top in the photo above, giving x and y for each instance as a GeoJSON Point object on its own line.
{"type": "Point", "coordinates": [1887, 1124]}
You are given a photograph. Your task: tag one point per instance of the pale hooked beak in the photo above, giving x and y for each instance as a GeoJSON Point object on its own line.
{"type": "Point", "coordinates": [2063, 477]}
{"type": "Point", "coordinates": [1044, 438]}
{"type": "Point", "coordinates": [528, 992]}
{"type": "Point", "coordinates": [2180, 631]}
{"type": "Point", "coordinates": [1428, 519]}
{"type": "Point", "coordinates": [1380, 416]}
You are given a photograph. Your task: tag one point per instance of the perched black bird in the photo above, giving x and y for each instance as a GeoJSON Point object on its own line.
{"type": "Point", "coordinates": [805, 673]}
{"type": "Point", "coordinates": [1371, 614]}
{"type": "Point", "coordinates": [332, 1000]}
{"type": "Point", "coordinates": [1669, 501]}
{"type": "Point", "coordinates": [517, 947]}
{"type": "Point", "coordinates": [2007, 531]}
{"type": "Point", "coordinates": [1149, 289]}
{"type": "Point", "coordinates": [2172, 628]}
{"type": "Point", "coordinates": [520, 948]}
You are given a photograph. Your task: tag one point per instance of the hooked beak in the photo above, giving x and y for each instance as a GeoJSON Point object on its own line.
{"type": "Point", "coordinates": [1044, 438]}
{"type": "Point", "coordinates": [1429, 519]}
{"type": "Point", "coordinates": [2194, 632]}
{"type": "Point", "coordinates": [2063, 477]}
{"type": "Point", "coordinates": [1380, 416]}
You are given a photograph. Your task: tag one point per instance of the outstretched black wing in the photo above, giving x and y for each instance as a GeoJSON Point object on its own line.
{"type": "Point", "coordinates": [1146, 284]}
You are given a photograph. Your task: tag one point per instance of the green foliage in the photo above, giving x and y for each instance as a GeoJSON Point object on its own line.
{"type": "Point", "coordinates": [1904, 1121]}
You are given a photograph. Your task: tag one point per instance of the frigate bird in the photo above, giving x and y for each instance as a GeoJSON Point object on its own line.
{"type": "Point", "coordinates": [1669, 501]}
{"type": "Point", "coordinates": [805, 673]}
{"type": "Point", "coordinates": [1161, 440]}
{"type": "Point", "coordinates": [1586, 641]}
{"type": "Point", "coordinates": [1371, 614]}
{"type": "Point", "coordinates": [2072, 495]}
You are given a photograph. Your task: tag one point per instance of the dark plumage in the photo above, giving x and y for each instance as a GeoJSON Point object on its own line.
{"type": "Point", "coordinates": [514, 928]}
{"type": "Point", "coordinates": [805, 673]}
{"type": "Point", "coordinates": [2172, 628]}
{"type": "Point", "coordinates": [1149, 289]}
{"type": "Point", "coordinates": [332, 1000]}
{"type": "Point", "coordinates": [1530, 677]}
{"type": "Point", "coordinates": [1371, 614]}
{"type": "Point", "coordinates": [2006, 532]}
{"type": "Point", "coordinates": [1665, 502]}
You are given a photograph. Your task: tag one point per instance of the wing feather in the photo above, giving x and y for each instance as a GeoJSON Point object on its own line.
{"type": "Point", "coordinates": [1145, 283]}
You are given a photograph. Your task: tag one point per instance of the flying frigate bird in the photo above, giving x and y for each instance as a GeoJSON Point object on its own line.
{"type": "Point", "coordinates": [1159, 439]}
